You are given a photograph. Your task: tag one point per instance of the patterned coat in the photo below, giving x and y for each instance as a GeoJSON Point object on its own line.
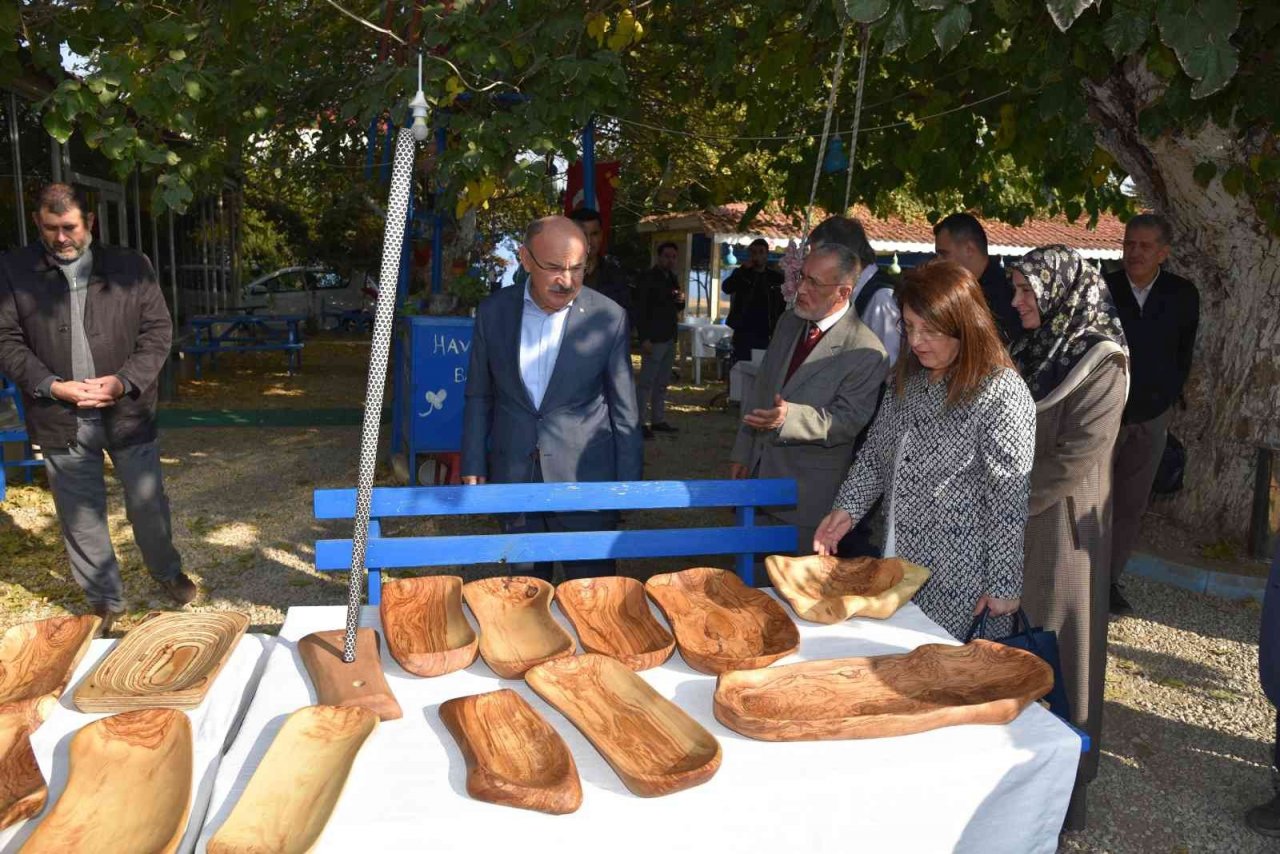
{"type": "Point", "coordinates": [959, 498]}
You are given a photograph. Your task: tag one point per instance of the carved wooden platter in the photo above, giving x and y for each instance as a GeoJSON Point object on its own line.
{"type": "Point", "coordinates": [425, 627]}
{"type": "Point", "coordinates": [932, 686]}
{"type": "Point", "coordinates": [720, 623]}
{"type": "Point", "coordinates": [294, 789]}
{"type": "Point", "coordinates": [824, 589]}
{"type": "Point", "coordinates": [611, 616]}
{"type": "Point", "coordinates": [128, 787]}
{"type": "Point", "coordinates": [517, 630]}
{"type": "Point", "coordinates": [653, 745]}
{"type": "Point", "coordinates": [169, 661]}
{"type": "Point", "coordinates": [513, 756]}
{"type": "Point", "coordinates": [360, 683]}
{"type": "Point", "coordinates": [36, 662]}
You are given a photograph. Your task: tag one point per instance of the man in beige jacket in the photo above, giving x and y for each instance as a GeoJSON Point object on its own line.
{"type": "Point", "coordinates": [816, 389]}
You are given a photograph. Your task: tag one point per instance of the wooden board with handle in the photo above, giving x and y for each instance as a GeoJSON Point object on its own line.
{"type": "Point", "coordinates": [361, 683]}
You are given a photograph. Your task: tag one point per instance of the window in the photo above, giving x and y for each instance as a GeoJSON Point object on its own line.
{"type": "Point", "coordinates": [287, 282]}
{"type": "Point", "coordinates": [323, 280]}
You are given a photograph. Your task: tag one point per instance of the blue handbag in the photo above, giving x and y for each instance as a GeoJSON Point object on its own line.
{"type": "Point", "coordinates": [1041, 643]}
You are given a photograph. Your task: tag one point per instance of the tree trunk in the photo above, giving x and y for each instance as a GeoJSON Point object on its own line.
{"type": "Point", "coordinates": [1223, 246]}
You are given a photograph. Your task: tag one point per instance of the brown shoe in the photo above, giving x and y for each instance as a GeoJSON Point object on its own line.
{"type": "Point", "coordinates": [108, 617]}
{"type": "Point", "coordinates": [181, 589]}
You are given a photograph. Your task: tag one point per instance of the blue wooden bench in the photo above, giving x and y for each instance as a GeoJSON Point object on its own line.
{"type": "Point", "coordinates": [744, 539]}
{"type": "Point", "coordinates": [18, 433]}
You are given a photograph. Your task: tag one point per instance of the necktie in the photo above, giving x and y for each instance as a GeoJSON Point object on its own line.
{"type": "Point", "coordinates": [803, 348]}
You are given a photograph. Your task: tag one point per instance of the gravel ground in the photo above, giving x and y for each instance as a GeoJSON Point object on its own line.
{"type": "Point", "coordinates": [1187, 730]}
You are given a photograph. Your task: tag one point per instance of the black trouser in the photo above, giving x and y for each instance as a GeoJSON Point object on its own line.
{"type": "Point", "coordinates": [577, 522]}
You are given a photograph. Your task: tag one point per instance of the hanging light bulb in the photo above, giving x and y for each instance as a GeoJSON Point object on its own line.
{"type": "Point", "coordinates": [419, 107]}
{"type": "Point", "coordinates": [895, 268]}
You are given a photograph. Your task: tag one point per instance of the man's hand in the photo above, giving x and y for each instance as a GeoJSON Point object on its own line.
{"type": "Point", "coordinates": [737, 471]}
{"type": "Point", "coordinates": [767, 419]}
{"type": "Point", "coordinates": [90, 394]}
{"type": "Point", "coordinates": [646, 347]}
{"type": "Point", "coordinates": [473, 480]}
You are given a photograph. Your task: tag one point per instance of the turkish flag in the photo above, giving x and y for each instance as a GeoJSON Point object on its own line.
{"type": "Point", "coordinates": [606, 181]}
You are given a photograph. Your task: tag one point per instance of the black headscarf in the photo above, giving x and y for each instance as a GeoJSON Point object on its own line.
{"type": "Point", "coordinates": [1076, 312]}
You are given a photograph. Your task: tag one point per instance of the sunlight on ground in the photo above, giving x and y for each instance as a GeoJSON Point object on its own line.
{"type": "Point", "coordinates": [234, 534]}
{"type": "Point", "coordinates": [284, 392]}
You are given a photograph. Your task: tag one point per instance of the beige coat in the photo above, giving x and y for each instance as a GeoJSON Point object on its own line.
{"type": "Point", "coordinates": [830, 398]}
{"type": "Point", "coordinates": [1066, 572]}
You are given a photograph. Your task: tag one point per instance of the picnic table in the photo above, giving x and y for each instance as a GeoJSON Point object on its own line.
{"type": "Point", "coordinates": [703, 335]}
{"type": "Point", "coordinates": [245, 333]}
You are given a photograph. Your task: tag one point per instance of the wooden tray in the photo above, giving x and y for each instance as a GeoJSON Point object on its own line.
{"type": "Point", "coordinates": [654, 746]}
{"type": "Point", "coordinates": [720, 623]}
{"type": "Point", "coordinates": [37, 659]}
{"type": "Point", "coordinates": [169, 661]}
{"type": "Point", "coordinates": [294, 789]}
{"type": "Point", "coordinates": [932, 686]}
{"type": "Point", "coordinates": [128, 787]}
{"type": "Point", "coordinates": [831, 589]}
{"type": "Point", "coordinates": [425, 627]}
{"type": "Point", "coordinates": [517, 630]}
{"type": "Point", "coordinates": [360, 683]}
{"type": "Point", "coordinates": [22, 788]}
{"type": "Point", "coordinates": [513, 756]}
{"type": "Point", "coordinates": [611, 616]}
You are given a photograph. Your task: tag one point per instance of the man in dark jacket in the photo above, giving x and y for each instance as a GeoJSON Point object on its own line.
{"type": "Point", "coordinates": [84, 331]}
{"type": "Point", "coordinates": [1160, 313]}
{"type": "Point", "coordinates": [962, 239]}
{"type": "Point", "coordinates": [757, 302]}
{"type": "Point", "coordinates": [659, 301]}
{"type": "Point", "coordinates": [604, 273]}
{"type": "Point", "coordinates": [1265, 819]}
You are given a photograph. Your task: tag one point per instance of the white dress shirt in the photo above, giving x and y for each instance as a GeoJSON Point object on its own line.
{"type": "Point", "coordinates": [825, 324]}
{"type": "Point", "coordinates": [540, 337]}
{"type": "Point", "coordinates": [1141, 294]}
{"type": "Point", "coordinates": [883, 316]}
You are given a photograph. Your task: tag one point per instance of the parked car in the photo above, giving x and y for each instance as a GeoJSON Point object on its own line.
{"type": "Point", "coordinates": [320, 293]}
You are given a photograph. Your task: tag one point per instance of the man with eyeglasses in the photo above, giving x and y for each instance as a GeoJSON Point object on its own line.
{"type": "Point", "coordinates": [816, 389]}
{"type": "Point", "coordinates": [549, 395]}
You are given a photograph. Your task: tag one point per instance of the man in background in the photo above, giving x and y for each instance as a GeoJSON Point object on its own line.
{"type": "Point", "coordinates": [962, 239]}
{"type": "Point", "coordinates": [604, 273]}
{"type": "Point", "coordinates": [659, 299]}
{"type": "Point", "coordinates": [757, 304]}
{"type": "Point", "coordinates": [873, 294]}
{"type": "Point", "coordinates": [1160, 313]}
{"type": "Point", "coordinates": [84, 332]}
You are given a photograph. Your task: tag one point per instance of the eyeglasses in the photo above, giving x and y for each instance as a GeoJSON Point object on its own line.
{"type": "Point", "coordinates": [811, 282]}
{"type": "Point", "coordinates": [575, 272]}
{"type": "Point", "coordinates": [911, 333]}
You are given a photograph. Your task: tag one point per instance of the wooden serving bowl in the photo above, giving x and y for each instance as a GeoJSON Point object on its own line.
{"type": "Point", "coordinates": [824, 589]}
{"type": "Point", "coordinates": [128, 787]}
{"type": "Point", "coordinates": [425, 627]}
{"type": "Point", "coordinates": [653, 744]}
{"type": "Point", "coordinates": [611, 616]}
{"type": "Point", "coordinates": [22, 788]}
{"type": "Point", "coordinates": [513, 756]}
{"type": "Point", "coordinates": [932, 686]}
{"type": "Point", "coordinates": [294, 789]}
{"type": "Point", "coordinates": [169, 661]}
{"type": "Point", "coordinates": [517, 630]}
{"type": "Point", "coordinates": [720, 623]}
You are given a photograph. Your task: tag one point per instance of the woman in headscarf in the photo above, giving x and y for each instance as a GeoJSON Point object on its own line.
{"type": "Point", "coordinates": [1074, 359]}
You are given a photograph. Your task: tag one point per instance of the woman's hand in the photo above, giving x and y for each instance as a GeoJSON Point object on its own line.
{"type": "Point", "coordinates": [831, 530]}
{"type": "Point", "coordinates": [996, 607]}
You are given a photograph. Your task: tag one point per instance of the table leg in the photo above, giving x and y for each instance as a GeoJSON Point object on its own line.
{"type": "Point", "coordinates": [697, 370]}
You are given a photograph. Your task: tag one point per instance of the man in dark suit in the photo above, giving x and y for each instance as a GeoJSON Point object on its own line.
{"type": "Point", "coordinates": [961, 238]}
{"type": "Point", "coordinates": [1265, 819]}
{"type": "Point", "coordinates": [549, 390]}
{"type": "Point", "coordinates": [604, 273]}
{"type": "Point", "coordinates": [1160, 313]}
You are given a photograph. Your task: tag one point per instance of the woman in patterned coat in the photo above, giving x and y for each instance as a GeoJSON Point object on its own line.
{"type": "Point", "coordinates": [1074, 359]}
{"type": "Point", "coordinates": [950, 451]}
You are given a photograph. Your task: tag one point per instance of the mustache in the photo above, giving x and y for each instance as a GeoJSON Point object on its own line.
{"type": "Point", "coordinates": [559, 289]}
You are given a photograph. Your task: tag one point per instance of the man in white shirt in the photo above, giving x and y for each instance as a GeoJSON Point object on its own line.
{"type": "Point", "coordinates": [561, 406]}
{"type": "Point", "coordinates": [873, 293]}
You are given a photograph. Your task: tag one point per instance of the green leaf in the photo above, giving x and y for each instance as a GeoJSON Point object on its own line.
{"type": "Point", "coordinates": [193, 90]}
{"type": "Point", "coordinates": [1161, 62]}
{"type": "Point", "coordinates": [933, 5]}
{"type": "Point", "coordinates": [58, 127]}
{"type": "Point", "coordinates": [1065, 12]}
{"type": "Point", "coordinates": [1204, 172]}
{"type": "Point", "coordinates": [950, 27]}
{"type": "Point", "coordinates": [1199, 32]}
{"type": "Point", "coordinates": [1233, 180]}
{"type": "Point", "coordinates": [177, 54]}
{"type": "Point", "coordinates": [1127, 28]}
{"type": "Point", "coordinates": [1009, 11]}
{"type": "Point", "coordinates": [866, 11]}
{"type": "Point", "coordinates": [896, 33]}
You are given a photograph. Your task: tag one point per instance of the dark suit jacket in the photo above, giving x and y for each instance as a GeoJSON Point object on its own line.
{"type": "Point", "coordinates": [1161, 337]}
{"type": "Point", "coordinates": [998, 290]}
{"type": "Point", "coordinates": [587, 428]}
{"type": "Point", "coordinates": [1269, 639]}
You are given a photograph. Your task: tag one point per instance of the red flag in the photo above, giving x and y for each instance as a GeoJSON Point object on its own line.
{"type": "Point", "coordinates": [606, 179]}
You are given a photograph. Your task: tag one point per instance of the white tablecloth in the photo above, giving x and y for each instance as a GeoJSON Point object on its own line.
{"type": "Point", "coordinates": [971, 788]}
{"type": "Point", "coordinates": [213, 725]}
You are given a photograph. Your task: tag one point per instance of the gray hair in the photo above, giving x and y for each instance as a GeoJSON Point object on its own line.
{"type": "Point", "coordinates": [1152, 221]}
{"type": "Point", "coordinates": [848, 265]}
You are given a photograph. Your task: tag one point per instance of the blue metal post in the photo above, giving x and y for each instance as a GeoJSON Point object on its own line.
{"type": "Point", "coordinates": [589, 164]}
{"type": "Point", "coordinates": [437, 225]}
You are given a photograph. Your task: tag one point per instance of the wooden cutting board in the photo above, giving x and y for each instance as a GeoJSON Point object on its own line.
{"type": "Point", "coordinates": [826, 589]}
{"type": "Point", "coordinates": [169, 661]}
{"type": "Point", "coordinates": [653, 745]}
{"type": "Point", "coordinates": [720, 623]}
{"type": "Point", "coordinates": [935, 685]}
{"type": "Point", "coordinates": [517, 630]}
{"type": "Point", "coordinates": [425, 627]}
{"type": "Point", "coordinates": [360, 683]}
{"type": "Point", "coordinates": [611, 616]}
{"type": "Point", "coordinates": [514, 757]}
{"type": "Point", "coordinates": [294, 789]}
{"type": "Point", "coordinates": [128, 788]}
